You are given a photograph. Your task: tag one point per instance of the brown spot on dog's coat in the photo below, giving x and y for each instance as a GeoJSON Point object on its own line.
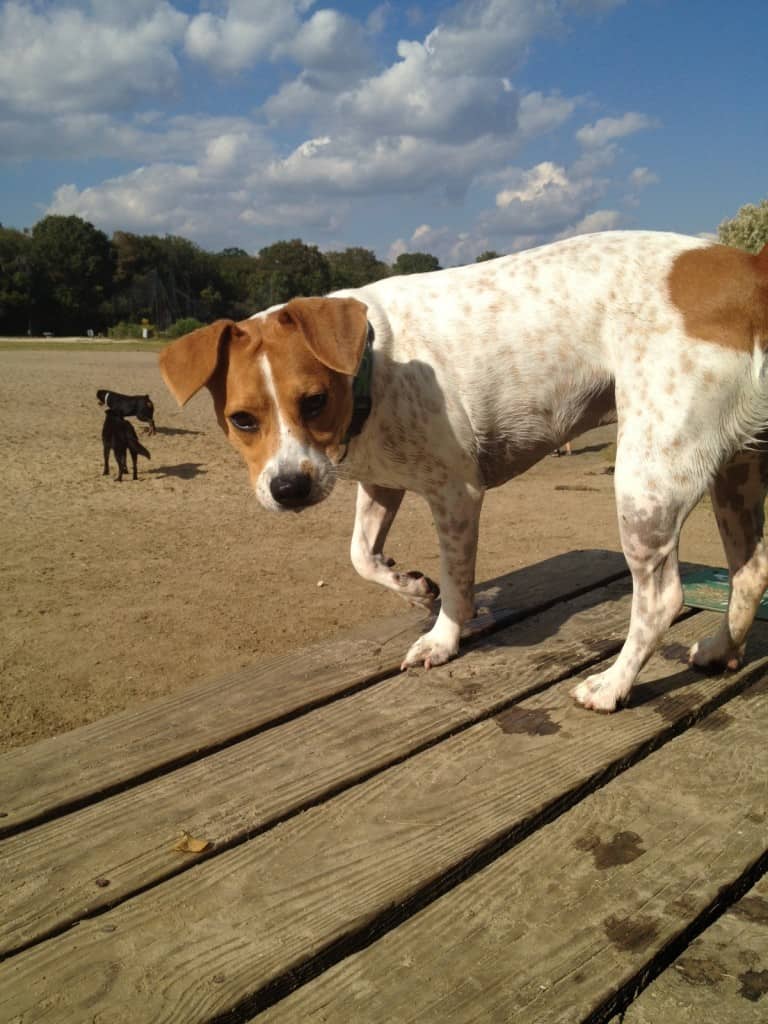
{"type": "Point", "coordinates": [722, 294]}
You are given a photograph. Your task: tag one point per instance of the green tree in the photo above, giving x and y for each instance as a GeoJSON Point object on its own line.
{"type": "Point", "coordinates": [355, 267]}
{"type": "Point", "coordinates": [415, 263]}
{"type": "Point", "coordinates": [15, 281]}
{"type": "Point", "coordinates": [748, 229]}
{"type": "Point", "coordinates": [166, 279]}
{"type": "Point", "coordinates": [287, 269]}
{"type": "Point", "coordinates": [72, 266]}
{"type": "Point", "coordinates": [236, 270]}
{"type": "Point", "coordinates": [489, 254]}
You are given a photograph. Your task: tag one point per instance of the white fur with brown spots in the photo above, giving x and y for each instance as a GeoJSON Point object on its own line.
{"type": "Point", "coordinates": [481, 371]}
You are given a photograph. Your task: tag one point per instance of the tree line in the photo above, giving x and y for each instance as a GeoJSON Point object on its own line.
{"type": "Point", "coordinates": [64, 276]}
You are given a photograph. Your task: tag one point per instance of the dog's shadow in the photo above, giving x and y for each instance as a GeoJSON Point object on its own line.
{"type": "Point", "coordinates": [175, 431]}
{"type": "Point", "coordinates": [184, 470]}
{"type": "Point", "coordinates": [592, 448]}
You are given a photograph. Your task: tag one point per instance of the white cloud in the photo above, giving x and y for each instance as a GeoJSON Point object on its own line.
{"type": "Point", "coordinates": [202, 200]}
{"type": "Point", "coordinates": [451, 248]}
{"type": "Point", "coordinates": [598, 220]}
{"type": "Point", "coordinates": [544, 180]}
{"type": "Point", "coordinates": [391, 165]}
{"type": "Point", "coordinates": [327, 40]}
{"type": "Point", "coordinates": [247, 31]}
{"type": "Point", "coordinates": [142, 139]}
{"type": "Point", "coordinates": [539, 114]}
{"type": "Point", "coordinates": [62, 59]}
{"type": "Point", "coordinates": [608, 128]}
{"type": "Point", "coordinates": [444, 119]}
{"type": "Point", "coordinates": [641, 177]}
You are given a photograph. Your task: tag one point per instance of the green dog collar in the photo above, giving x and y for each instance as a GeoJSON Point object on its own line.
{"type": "Point", "coordinates": [361, 390]}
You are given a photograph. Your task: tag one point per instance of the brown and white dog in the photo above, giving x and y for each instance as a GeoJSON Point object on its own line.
{"type": "Point", "coordinates": [479, 372]}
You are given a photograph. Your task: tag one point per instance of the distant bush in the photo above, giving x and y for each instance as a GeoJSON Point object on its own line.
{"type": "Point", "coordinates": [184, 326]}
{"type": "Point", "coordinates": [124, 331]}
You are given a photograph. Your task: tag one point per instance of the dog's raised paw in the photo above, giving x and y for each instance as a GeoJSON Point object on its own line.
{"type": "Point", "coordinates": [418, 589]}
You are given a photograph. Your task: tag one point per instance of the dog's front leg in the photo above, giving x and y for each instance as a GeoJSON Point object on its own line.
{"type": "Point", "coordinates": [456, 512]}
{"type": "Point", "coordinates": [375, 511]}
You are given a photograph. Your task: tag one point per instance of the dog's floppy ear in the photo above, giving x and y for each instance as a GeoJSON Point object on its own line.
{"type": "Point", "coordinates": [334, 329]}
{"type": "Point", "coordinates": [189, 362]}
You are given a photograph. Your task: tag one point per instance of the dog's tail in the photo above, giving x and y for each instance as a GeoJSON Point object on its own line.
{"type": "Point", "coordinates": [141, 450]}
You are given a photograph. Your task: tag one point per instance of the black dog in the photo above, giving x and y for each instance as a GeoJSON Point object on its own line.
{"type": "Point", "coordinates": [139, 406]}
{"type": "Point", "coordinates": [119, 435]}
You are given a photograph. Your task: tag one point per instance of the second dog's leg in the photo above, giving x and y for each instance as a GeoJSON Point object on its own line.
{"type": "Point", "coordinates": [457, 518]}
{"type": "Point", "coordinates": [375, 511]}
{"type": "Point", "coordinates": [738, 494]}
{"type": "Point", "coordinates": [106, 460]}
{"type": "Point", "coordinates": [122, 465]}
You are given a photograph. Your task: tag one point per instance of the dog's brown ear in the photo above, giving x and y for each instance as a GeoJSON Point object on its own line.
{"type": "Point", "coordinates": [334, 329]}
{"type": "Point", "coordinates": [189, 362]}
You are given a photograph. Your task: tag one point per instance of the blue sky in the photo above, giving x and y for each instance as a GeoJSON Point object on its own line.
{"type": "Point", "coordinates": [450, 128]}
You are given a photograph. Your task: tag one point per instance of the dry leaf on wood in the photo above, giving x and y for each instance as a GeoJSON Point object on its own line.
{"type": "Point", "coordinates": [188, 844]}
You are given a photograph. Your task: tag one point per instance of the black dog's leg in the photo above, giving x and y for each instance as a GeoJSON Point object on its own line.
{"type": "Point", "coordinates": [106, 459]}
{"type": "Point", "coordinates": [134, 460]}
{"type": "Point", "coordinates": [121, 461]}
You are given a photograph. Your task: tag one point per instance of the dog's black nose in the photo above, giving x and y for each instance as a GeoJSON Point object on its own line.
{"type": "Point", "coordinates": [291, 489]}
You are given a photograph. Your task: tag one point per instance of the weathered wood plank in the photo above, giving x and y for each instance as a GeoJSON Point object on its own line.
{"type": "Point", "coordinates": [550, 932]}
{"type": "Point", "coordinates": [68, 770]}
{"type": "Point", "coordinates": [721, 977]}
{"type": "Point", "coordinates": [128, 838]}
{"type": "Point", "coordinates": [212, 938]}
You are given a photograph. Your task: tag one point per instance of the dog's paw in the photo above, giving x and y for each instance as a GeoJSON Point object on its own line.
{"type": "Point", "coordinates": [600, 693]}
{"type": "Point", "coordinates": [713, 654]}
{"type": "Point", "coordinates": [430, 650]}
{"type": "Point", "coordinates": [417, 589]}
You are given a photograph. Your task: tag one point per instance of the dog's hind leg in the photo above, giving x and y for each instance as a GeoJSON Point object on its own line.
{"type": "Point", "coordinates": [122, 464]}
{"type": "Point", "coordinates": [652, 507]}
{"type": "Point", "coordinates": [457, 517]}
{"type": "Point", "coordinates": [375, 510]}
{"type": "Point", "coordinates": [106, 459]}
{"type": "Point", "coordinates": [738, 495]}
{"type": "Point", "coordinates": [134, 461]}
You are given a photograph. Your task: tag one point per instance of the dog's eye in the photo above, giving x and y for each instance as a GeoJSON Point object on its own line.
{"type": "Point", "coordinates": [244, 421]}
{"type": "Point", "coordinates": [313, 405]}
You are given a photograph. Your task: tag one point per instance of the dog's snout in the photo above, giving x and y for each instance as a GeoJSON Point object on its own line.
{"type": "Point", "coordinates": [291, 489]}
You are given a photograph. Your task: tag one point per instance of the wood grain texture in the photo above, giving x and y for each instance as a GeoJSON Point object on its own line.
{"type": "Point", "coordinates": [75, 767]}
{"type": "Point", "coordinates": [550, 931]}
{"type": "Point", "coordinates": [129, 838]}
{"type": "Point", "coordinates": [721, 977]}
{"type": "Point", "coordinates": [205, 941]}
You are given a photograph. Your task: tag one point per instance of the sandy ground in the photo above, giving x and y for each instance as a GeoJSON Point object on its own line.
{"type": "Point", "coordinates": [113, 594]}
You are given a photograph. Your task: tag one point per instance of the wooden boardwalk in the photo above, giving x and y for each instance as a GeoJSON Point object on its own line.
{"type": "Point", "coordinates": [452, 846]}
